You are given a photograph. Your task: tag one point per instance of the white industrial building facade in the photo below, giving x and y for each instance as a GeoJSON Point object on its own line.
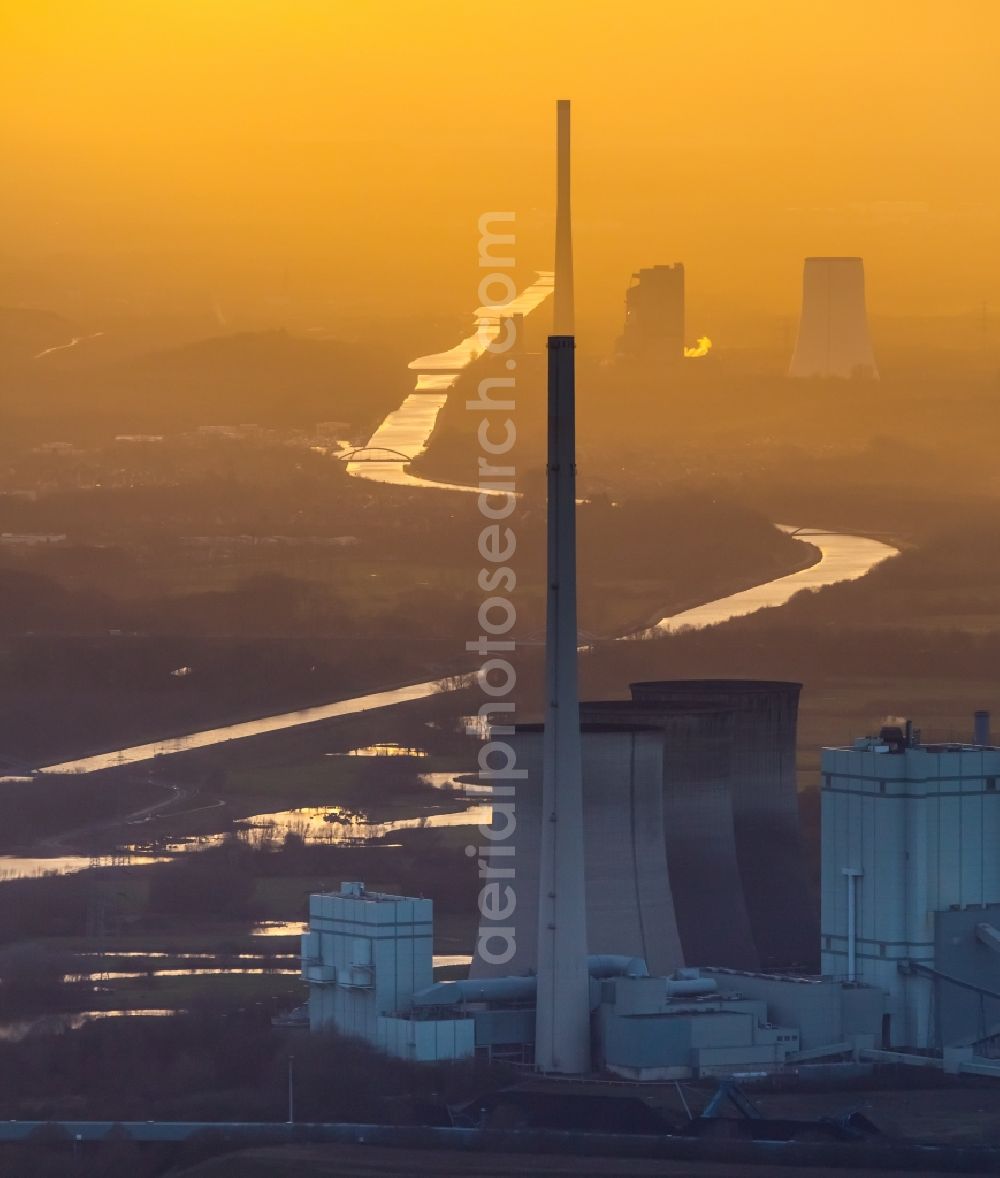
{"type": "Point", "coordinates": [910, 832]}
{"type": "Point", "coordinates": [365, 956]}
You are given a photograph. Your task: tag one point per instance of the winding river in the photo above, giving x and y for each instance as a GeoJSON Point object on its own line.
{"type": "Point", "coordinates": [403, 435]}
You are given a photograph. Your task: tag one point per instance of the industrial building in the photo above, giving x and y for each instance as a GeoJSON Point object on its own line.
{"type": "Point", "coordinates": [833, 338]}
{"type": "Point", "coordinates": [654, 315]}
{"type": "Point", "coordinates": [911, 872]}
{"type": "Point", "coordinates": [368, 960]}
{"type": "Point", "coordinates": [910, 930]}
{"type": "Point", "coordinates": [365, 956]}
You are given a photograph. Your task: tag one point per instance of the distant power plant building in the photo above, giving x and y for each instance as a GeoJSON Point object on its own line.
{"type": "Point", "coordinates": [654, 315]}
{"type": "Point", "coordinates": [833, 337]}
{"type": "Point", "coordinates": [629, 909]}
{"type": "Point", "coordinates": [751, 746]}
{"type": "Point", "coordinates": [911, 869]}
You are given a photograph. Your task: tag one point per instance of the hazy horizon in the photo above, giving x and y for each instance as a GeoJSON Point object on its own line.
{"type": "Point", "coordinates": [264, 164]}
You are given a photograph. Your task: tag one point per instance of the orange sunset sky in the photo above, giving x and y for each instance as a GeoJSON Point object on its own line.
{"type": "Point", "coordinates": [284, 156]}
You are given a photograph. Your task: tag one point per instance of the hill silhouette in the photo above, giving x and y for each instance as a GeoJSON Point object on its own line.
{"type": "Point", "coordinates": [24, 332]}
{"type": "Point", "coordinates": [268, 377]}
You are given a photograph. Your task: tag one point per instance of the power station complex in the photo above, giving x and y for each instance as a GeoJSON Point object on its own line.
{"type": "Point", "coordinates": [909, 939]}
{"type": "Point", "coordinates": [648, 879]}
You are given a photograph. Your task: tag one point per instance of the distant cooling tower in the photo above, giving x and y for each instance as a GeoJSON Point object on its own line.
{"type": "Point", "coordinates": [765, 807]}
{"type": "Point", "coordinates": [628, 901]}
{"type": "Point", "coordinates": [833, 335]}
{"type": "Point", "coordinates": [705, 881]}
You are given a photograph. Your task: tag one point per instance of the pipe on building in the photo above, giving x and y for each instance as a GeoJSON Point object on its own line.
{"type": "Point", "coordinates": [691, 987]}
{"type": "Point", "coordinates": [852, 874]}
{"type": "Point", "coordinates": [616, 965]}
{"type": "Point", "coordinates": [525, 986]}
{"type": "Point", "coordinates": [478, 990]}
{"type": "Point", "coordinates": [988, 935]}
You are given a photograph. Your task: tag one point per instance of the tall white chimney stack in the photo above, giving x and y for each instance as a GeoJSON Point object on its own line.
{"type": "Point", "coordinates": [562, 1025]}
{"type": "Point", "coordinates": [563, 316]}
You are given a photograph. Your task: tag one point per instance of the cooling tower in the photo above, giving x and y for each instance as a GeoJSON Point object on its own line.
{"type": "Point", "coordinates": [833, 335]}
{"type": "Point", "coordinates": [764, 805]}
{"type": "Point", "coordinates": [627, 892]}
{"type": "Point", "coordinates": [705, 881]}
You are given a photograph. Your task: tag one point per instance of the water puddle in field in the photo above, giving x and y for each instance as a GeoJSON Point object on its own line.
{"type": "Point", "coordinates": [14, 1030]}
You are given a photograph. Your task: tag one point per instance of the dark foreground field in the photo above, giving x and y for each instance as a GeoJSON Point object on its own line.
{"type": "Point", "coordinates": [355, 1161]}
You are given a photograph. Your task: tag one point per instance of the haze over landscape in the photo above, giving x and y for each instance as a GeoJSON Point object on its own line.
{"type": "Point", "coordinates": [324, 163]}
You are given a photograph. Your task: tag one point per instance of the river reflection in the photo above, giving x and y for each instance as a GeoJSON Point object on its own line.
{"type": "Point", "coordinates": [15, 1030]}
{"type": "Point", "coordinates": [139, 753]}
{"type": "Point", "coordinates": [27, 867]}
{"type": "Point", "coordinates": [842, 558]}
{"type": "Point", "coordinates": [406, 432]}
{"type": "Point", "coordinates": [337, 824]}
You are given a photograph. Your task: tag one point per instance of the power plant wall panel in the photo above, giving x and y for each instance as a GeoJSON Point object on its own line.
{"type": "Point", "coordinates": [824, 1011]}
{"type": "Point", "coordinates": [765, 808]}
{"type": "Point", "coordinates": [961, 1015]}
{"type": "Point", "coordinates": [628, 898]}
{"type": "Point", "coordinates": [704, 874]}
{"type": "Point", "coordinates": [900, 832]}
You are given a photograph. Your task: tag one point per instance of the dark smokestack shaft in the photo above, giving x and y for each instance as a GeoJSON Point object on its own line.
{"type": "Point", "coordinates": [563, 1011]}
{"type": "Point", "coordinates": [981, 728]}
{"type": "Point", "coordinates": [564, 315]}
